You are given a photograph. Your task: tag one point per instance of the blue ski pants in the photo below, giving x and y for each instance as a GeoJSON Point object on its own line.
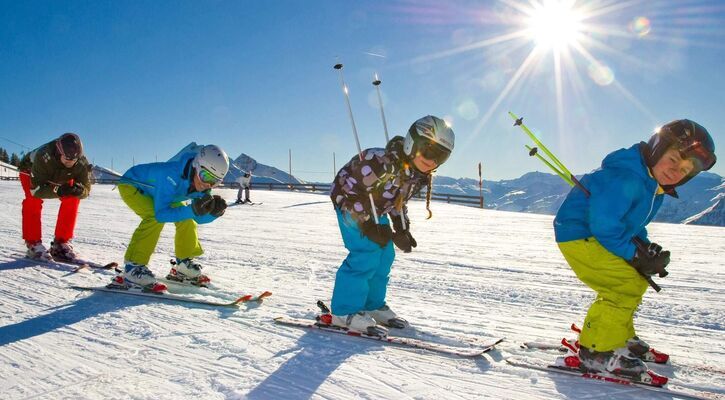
{"type": "Point", "coordinates": [362, 279]}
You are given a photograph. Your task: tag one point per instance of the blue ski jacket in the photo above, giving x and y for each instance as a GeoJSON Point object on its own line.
{"type": "Point", "coordinates": [168, 184]}
{"type": "Point", "coordinates": [624, 199]}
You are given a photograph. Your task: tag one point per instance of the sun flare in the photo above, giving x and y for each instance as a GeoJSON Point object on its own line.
{"type": "Point", "coordinates": [555, 24]}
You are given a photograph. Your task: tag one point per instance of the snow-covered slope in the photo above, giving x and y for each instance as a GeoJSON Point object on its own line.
{"type": "Point", "coordinates": [476, 274]}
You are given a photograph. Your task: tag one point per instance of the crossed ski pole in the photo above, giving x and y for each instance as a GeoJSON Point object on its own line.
{"type": "Point", "coordinates": [561, 170]}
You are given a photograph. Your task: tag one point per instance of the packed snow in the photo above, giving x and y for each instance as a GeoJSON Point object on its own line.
{"type": "Point", "coordinates": [475, 276]}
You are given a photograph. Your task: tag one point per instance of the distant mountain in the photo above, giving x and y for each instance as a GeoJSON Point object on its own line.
{"type": "Point", "coordinates": [714, 215]}
{"type": "Point", "coordinates": [700, 200]}
{"type": "Point", "coordinates": [261, 173]}
{"type": "Point", "coordinates": [104, 174]}
{"type": "Point", "coordinates": [533, 192]}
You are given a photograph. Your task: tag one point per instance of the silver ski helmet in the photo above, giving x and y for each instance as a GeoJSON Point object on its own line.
{"type": "Point", "coordinates": [691, 139]}
{"type": "Point", "coordinates": [211, 164]}
{"type": "Point", "coordinates": [430, 137]}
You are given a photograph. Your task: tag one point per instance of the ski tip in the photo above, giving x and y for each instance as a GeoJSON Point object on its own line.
{"type": "Point", "coordinates": [111, 265]}
{"type": "Point", "coordinates": [243, 299]}
{"type": "Point", "coordinates": [82, 268]}
{"type": "Point", "coordinates": [157, 288]}
{"type": "Point", "coordinates": [266, 293]}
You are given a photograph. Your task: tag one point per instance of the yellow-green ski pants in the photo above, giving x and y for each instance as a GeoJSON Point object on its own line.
{"type": "Point", "coordinates": [146, 236]}
{"type": "Point", "coordinates": [619, 287]}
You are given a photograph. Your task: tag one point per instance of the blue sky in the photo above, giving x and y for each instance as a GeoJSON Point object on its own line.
{"type": "Point", "coordinates": [139, 80]}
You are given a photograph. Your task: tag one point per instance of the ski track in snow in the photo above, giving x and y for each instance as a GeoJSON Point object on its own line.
{"type": "Point", "coordinates": [476, 275]}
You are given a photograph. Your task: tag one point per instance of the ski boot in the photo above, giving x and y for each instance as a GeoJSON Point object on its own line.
{"type": "Point", "coordinates": [641, 349]}
{"type": "Point", "coordinates": [620, 362]}
{"type": "Point", "coordinates": [62, 251]}
{"type": "Point", "coordinates": [360, 322]}
{"type": "Point", "coordinates": [637, 346]}
{"type": "Point", "coordinates": [36, 251]}
{"type": "Point", "coordinates": [137, 276]}
{"type": "Point", "coordinates": [386, 317]}
{"type": "Point", "coordinates": [187, 270]}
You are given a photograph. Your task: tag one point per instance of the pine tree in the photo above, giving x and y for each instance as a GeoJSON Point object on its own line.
{"type": "Point", "coordinates": [15, 160]}
{"type": "Point", "coordinates": [4, 155]}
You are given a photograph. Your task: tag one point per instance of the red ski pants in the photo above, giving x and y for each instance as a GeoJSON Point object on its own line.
{"type": "Point", "coordinates": [33, 207]}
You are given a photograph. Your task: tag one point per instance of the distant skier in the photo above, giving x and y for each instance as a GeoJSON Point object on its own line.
{"type": "Point", "coordinates": [393, 175]}
{"type": "Point", "coordinates": [157, 193]}
{"type": "Point", "coordinates": [595, 236]}
{"type": "Point", "coordinates": [55, 170]}
{"type": "Point", "coordinates": [244, 181]}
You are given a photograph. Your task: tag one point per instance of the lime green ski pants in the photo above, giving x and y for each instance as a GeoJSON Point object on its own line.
{"type": "Point", "coordinates": [146, 236]}
{"type": "Point", "coordinates": [619, 287]}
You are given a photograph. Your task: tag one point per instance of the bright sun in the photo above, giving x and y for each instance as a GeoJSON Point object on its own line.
{"type": "Point", "coordinates": [554, 24]}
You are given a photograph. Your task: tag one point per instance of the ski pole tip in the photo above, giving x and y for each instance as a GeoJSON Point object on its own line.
{"type": "Point", "coordinates": [338, 66]}
{"type": "Point", "coordinates": [519, 121]}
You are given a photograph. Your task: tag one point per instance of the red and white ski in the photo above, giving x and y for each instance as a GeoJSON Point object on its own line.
{"type": "Point", "coordinates": [604, 377]}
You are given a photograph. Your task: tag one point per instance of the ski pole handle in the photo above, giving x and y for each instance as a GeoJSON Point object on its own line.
{"type": "Point", "coordinates": [376, 83]}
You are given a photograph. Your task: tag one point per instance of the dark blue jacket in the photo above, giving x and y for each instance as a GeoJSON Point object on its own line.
{"type": "Point", "coordinates": [624, 199]}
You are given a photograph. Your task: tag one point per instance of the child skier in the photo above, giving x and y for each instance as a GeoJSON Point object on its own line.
{"type": "Point", "coordinates": [393, 175]}
{"type": "Point", "coordinates": [55, 170]}
{"type": "Point", "coordinates": [244, 181]}
{"type": "Point", "coordinates": [595, 234]}
{"type": "Point", "coordinates": [156, 192]}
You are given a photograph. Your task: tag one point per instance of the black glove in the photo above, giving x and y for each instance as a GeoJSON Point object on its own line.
{"type": "Point", "coordinates": [380, 234]}
{"type": "Point", "coordinates": [75, 190]}
{"type": "Point", "coordinates": [402, 237]}
{"type": "Point", "coordinates": [651, 260]}
{"type": "Point", "coordinates": [203, 205]}
{"type": "Point", "coordinates": [218, 206]}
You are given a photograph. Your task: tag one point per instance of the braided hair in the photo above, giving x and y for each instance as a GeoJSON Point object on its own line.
{"type": "Point", "coordinates": [428, 194]}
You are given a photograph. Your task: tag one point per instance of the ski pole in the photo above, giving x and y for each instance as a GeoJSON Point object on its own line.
{"type": "Point", "coordinates": [376, 83]}
{"type": "Point", "coordinates": [567, 176]}
{"type": "Point", "coordinates": [354, 133]}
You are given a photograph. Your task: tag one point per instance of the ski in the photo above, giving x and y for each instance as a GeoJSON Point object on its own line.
{"type": "Point", "coordinates": [601, 377]}
{"type": "Point", "coordinates": [175, 297]}
{"type": "Point", "coordinates": [564, 346]}
{"type": "Point", "coordinates": [78, 264]}
{"type": "Point", "coordinates": [81, 264]}
{"type": "Point", "coordinates": [397, 340]}
{"type": "Point", "coordinates": [249, 203]}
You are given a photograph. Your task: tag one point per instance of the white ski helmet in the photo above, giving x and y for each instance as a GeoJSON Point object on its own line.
{"type": "Point", "coordinates": [431, 137]}
{"type": "Point", "coordinates": [212, 159]}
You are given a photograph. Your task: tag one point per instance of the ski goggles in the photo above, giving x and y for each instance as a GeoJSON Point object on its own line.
{"type": "Point", "coordinates": [66, 156]}
{"type": "Point", "coordinates": [700, 156]}
{"type": "Point", "coordinates": [434, 152]}
{"type": "Point", "coordinates": [207, 177]}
